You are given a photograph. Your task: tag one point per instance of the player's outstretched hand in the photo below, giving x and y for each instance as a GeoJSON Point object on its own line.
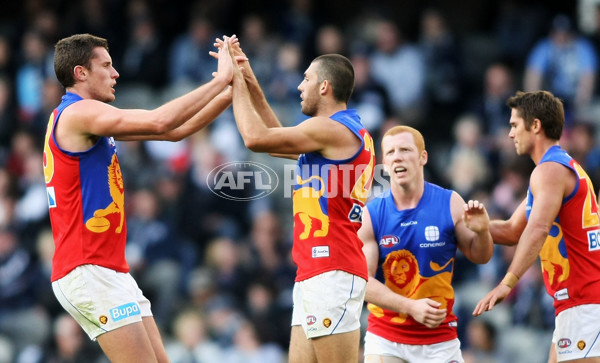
{"type": "Point", "coordinates": [225, 62]}
{"type": "Point", "coordinates": [491, 299]}
{"type": "Point", "coordinates": [233, 40]}
{"type": "Point", "coordinates": [237, 68]}
{"type": "Point", "coordinates": [475, 216]}
{"type": "Point", "coordinates": [427, 312]}
{"type": "Point", "coordinates": [234, 44]}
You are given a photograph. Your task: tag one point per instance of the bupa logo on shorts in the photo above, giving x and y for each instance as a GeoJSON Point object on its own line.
{"type": "Point", "coordinates": [124, 311]}
{"type": "Point", "coordinates": [593, 240]}
{"type": "Point", "coordinates": [242, 180]}
{"type": "Point", "coordinates": [432, 233]}
{"type": "Point", "coordinates": [564, 343]}
{"type": "Point", "coordinates": [311, 319]}
{"type": "Point", "coordinates": [389, 241]}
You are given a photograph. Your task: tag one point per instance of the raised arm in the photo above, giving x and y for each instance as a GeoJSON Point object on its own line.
{"type": "Point", "coordinates": [257, 96]}
{"type": "Point", "coordinates": [199, 121]}
{"type": "Point", "coordinates": [256, 93]}
{"type": "Point", "coordinates": [259, 100]}
{"type": "Point", "coordinates": [472, 226]}
{"type": "Point", "coordinates": [317, 134]}
{"type": "Point", "coordinates": [89, 118]}
{"type": "Point", "coordinates": [425, 311]}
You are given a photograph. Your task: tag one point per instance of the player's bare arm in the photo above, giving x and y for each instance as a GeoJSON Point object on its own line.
{"type": "Point", "coordinates": [258, 98]}
{"type": "Point", "coordinates": [199, 121]}
{"type": "Point", "coordinates": [82, 122]}
{"type": "Point", "coordinates": [257, 95]}
{"type": "Point", "coordinates": [550, 183]}
{"type": "Point", "coordinates": [507, 232]}
{"type": "Point", "coordinates": [425, 311]}
{"type": "Point", "coordinates": [317, 134]}
{"type": "Point", "coordinates": [472, 226]}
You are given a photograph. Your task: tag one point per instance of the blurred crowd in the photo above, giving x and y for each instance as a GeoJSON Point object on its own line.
{"type": "Point", "coordinates": [219, 272]}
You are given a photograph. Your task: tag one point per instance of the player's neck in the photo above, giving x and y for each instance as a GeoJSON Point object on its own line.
{"type": "Point", "coordinates": [79, 90]}
{"type": "Point", "coordinates": [541, 148]}
{"type": "Point", "coordinates": [331, 109]}
{"type": "Point", "coordinates": [407, 196]}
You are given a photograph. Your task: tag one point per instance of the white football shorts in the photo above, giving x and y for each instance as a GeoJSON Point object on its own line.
{"type": "Point", "coordinates": [329, 303]}
{"type": "Point", "coordinates": [444, 352]}
{"type": "Point", "coordinates": [101, 299]}
{"type": "Point", "coordinates": [577, 332]}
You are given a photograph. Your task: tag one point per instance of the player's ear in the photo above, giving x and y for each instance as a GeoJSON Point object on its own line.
{"type": "Point", "coordinates": [80, 73]}
{"type": "Point", "coordinates": [536, 125]}
{"type": "Point", "coordinates": [424, 157]}
{"type": "Point", "coordinates": [324, 87]}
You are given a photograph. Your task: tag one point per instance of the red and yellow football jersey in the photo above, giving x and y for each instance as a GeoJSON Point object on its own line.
{"type": "Point", "coordinates": [328, 199]}
{"type": "Point", "coordinates": [570, 256]}
{"type": "Point", "coordinates": [86, 201]}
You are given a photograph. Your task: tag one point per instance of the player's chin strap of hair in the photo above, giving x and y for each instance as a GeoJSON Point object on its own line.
{"type": "Point", "coordinates": [510, 280]}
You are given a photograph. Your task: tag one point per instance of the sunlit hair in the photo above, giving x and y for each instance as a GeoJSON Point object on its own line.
{"type": "Point", "coordinates": [76, 50]}
{"type": "Point", "coordinates": [542, 105]}
{"type": "Point", "coordinates": [417, 136]}
{"type": "Point", "coordinates": [338, 70]}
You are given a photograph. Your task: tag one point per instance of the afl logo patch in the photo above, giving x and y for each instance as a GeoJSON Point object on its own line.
{"type": "Point", "coordinates": [564, 343]}
{"type": "Point", "coordinates": [103, 319]}
{"type": "Point", "coordinates": [327, 322]}
{"type": "Point", "coordinates": [311, 319]}
{"type": "Point", "coordinates": [388, 241]}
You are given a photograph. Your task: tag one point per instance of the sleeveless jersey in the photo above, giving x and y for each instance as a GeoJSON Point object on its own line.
{"type": "Point", "coordinates": [85, 197]}
{"type": "Point", "coordinates": [327, 200]}
{"type": "Point", "coordinates": [570, 256]}
{"type": "Point", "coordinates": [417, 249]}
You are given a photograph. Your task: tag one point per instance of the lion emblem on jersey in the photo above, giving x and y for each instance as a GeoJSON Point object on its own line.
{"type": "Point", "coordinates": [553, 263]}
{"type": "Point", "coordinates": [98, 223]}
{"type": "Point", "coordinates": [403, 276]}
{"type": "Point", "coordinates": [306, 207]}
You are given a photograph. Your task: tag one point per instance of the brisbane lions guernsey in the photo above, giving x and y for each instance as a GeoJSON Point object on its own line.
{"type": "Point", "coordinates": [85, 197]}
{"type": "Point", "coordinates": [570, 256]}
{"type": "Point", "coordinates": [327, 200]}
{"type": "Point", "coordinates": [417, 249]}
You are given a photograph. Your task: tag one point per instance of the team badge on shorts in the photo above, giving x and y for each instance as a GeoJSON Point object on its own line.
{"type": "Point", "coordinates": [103, 319]}
{"type": "Point", "coordinates": [327, 322]}
{"type": "Point", "coordinates": [581, 344]}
